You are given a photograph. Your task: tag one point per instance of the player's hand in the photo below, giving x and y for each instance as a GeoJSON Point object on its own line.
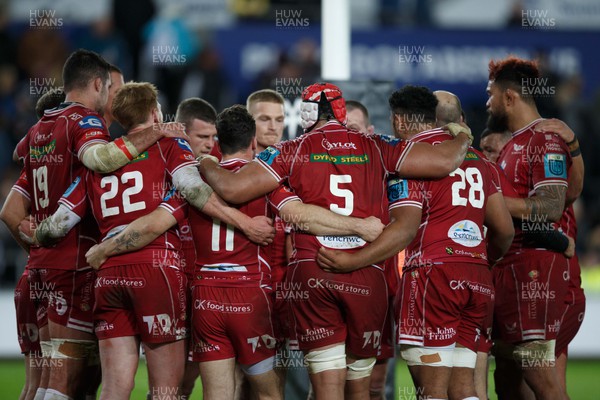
{"type": "Point", "coordinates": [171, 130]}
{"type": "Point", "coordinates": [207, 157]}
{"type": "Point", "coordinates": [570, 251]}
{"type": "Point", "coordinates": [454, 129]}
{"type": "Point", "coordinates": [556, 126]}
{"type": "Point", "coordinates": [27, 231]}
{"type": "Point", "coordinates": [95, 256]}
{"type": "Point", "coordinates": [370, 228]}
{"type": "Point", "coordinates": [260, 230]}
{"type": "Point", "coordinates": [336, 261]}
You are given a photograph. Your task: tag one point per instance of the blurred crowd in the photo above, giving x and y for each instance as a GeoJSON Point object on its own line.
{"type": "Point", "coordinates": [31, 61]}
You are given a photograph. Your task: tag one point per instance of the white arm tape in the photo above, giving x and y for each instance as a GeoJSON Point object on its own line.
{"type": "Point", "coordinates": [57, 225]}
{"type": "Point", "coordinates": [108, 157]}
{"type": "Point", "coordinates": [189, 183]}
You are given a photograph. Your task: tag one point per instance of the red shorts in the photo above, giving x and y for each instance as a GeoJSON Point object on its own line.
{"type": "Point", "coordinates": [67, 294]}
{"type": "Point", "coordinates": [387, 336]}
{"type": "Point", "coordinates": [141, 300]}
{"type": "Point", "coordinates": [232, 322]}
{"type": "Point", "coordinates": [338, 308]}
{"type": "Point", "coordinates": [530, 297]}
{"type": "Point", "coordinates": [444, 304]}
{"type": "Point", "coordinates": [38, 296]}
{"type": "Point", "coordinates": [27, 327]}
{"type": "Point", "coordinates": [574, 309]}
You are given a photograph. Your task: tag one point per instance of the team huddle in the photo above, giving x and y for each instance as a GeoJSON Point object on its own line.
{"type": "Point", "coordinates": [221, 249]}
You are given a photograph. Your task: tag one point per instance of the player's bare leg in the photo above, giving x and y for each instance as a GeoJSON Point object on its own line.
{"type": "Point", "coordinates": [265, 386]}
{"type": "Point", "coordinates": [191, 373]}
{"type": "Point", "coordinates": [242, 388]}
{"type": "Point", "coordinates": [431, 382]}
{"type": "Point", "coordinates": [327, 371]}
{"type": "Point", "coordinates": [166, 363]}
{"type": "Point", "coordinates": [70, 366]}
{"type": "Point", "coordinates": [119, 358]}
{"type": "Point", "coordinates": [481, 375]}
{"type": "Point", "coordinates": [462, 383]}
{"type": "Point", "coordinates": [44, 363]}
{"type": "Point", "coordinates": [34, 365]}
{"type": "Point", "coordinates": [377, 386]}
{"type": "Point", "coordinates": [218, 379]}
{"type": "Point", "coordinates": [561, 370]}
{"type": "Point", "coordinates": [357, 387]}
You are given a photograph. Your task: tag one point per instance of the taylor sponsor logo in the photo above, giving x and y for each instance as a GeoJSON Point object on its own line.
{"type": "Point", "coordinates": [235, 308]}
{"type": "Point", "coordinates": [465, 233]}
{"type": "Point", "coordinates": [345, 287]}
{"type": "Point", "coordinates": [327, 145]}
{"type": "Point", "coordinates": [341, 242]}
{"type": "Point", "coordinates": [105, 281]}
{"type": "Point", "coordinates": [40, 137]}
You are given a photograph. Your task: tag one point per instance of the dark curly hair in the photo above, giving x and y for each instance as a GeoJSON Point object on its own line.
{"type": "Point", "coordinates": [414, 100]}
{"type": "Point", "coordinates": [235, 129]}
{"type": "Point", "coordinates": [514, 73]}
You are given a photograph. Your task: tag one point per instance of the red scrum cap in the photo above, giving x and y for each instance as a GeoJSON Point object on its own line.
{"type": "Point", "coordinates": [320, 98]}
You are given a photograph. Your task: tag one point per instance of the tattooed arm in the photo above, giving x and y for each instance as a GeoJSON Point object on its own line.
{"type": "Point", "coordinates": [546, 205]}
{"type": "Point", "coordinates": [135, 236]}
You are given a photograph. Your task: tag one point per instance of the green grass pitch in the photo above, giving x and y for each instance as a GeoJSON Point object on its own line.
{"type": "Point", "coordinates": [582, 380]}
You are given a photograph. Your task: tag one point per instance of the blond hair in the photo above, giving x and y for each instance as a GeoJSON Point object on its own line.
{"type": "Point", "coordinates": [133, 102]}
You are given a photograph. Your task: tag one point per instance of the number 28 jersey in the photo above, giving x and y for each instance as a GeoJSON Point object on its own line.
{"type": "Point", "coordinates": [339, 169]}
{"type": "Point", "coordinates": [453, 209]}
{"type": "Point", "coordinates": [118, 198]}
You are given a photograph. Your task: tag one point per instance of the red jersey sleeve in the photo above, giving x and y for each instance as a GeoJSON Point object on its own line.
{"type": "Point", "coordinates": [501, 181]}
{"type": "Point", "coordinates": [176, 205]}
{"type": "Point", "coordinates": [75, 197]}
{"type": "Point", "coordinates": [177, 154]}
{"type": "Point", "coordinates": [549, 158]}
{"type": "Point", "coordinates": [88, 131]}
{"type": "Point", "coordinates": [393, 151]}
{"type": "Point", "coordinates": [22, 185]}
{"type": "Point", "coordinates": [281, 196]}
{"type": "Point", "coordinates": [278, 159]}
{"type": "Point", "coordinates": [405, 192]}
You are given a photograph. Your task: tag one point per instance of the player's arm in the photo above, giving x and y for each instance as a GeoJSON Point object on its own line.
{"type": "Point", "coordinates": [108, 157]}
{"type": "Point", "coordinates": [258, 229]}
{"type": "Point", "coordinates": [15, 209]}
{"type": "Point", "coordinates": [248, 183]}
{"type": "Point", "coordinates": [577, 169]}
{"type": "Point", "coordinates": [547, 202]}
{"type": "Point", "coordinates": [395, 237]}
{"type": "Point", "coordinates": [320, 221]}
{"type": "Point", "coordinates": [551, 239]}
{"type": "Point", "coordinates": [500, 229]}
{"type": "Point", "coordinates": [52, 229]}
{"type": "Point", "coordinates": [426, 161]}
{"type": "Point", "coordinates": [201, 196]}
{"type": "Point", "coordinates": [135, 236]}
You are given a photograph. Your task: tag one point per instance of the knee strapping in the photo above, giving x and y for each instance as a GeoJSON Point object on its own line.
{"type": "Point", "coordinates": [325, 360]}
{"type": "Point", "coordinates": [74, 349]}
{"type": "Point", "coordinates": [46, 348]}
{"type": "Point", "coordinates": [360, 368]}
{"type": "Point", "coordinates": [428, 356]}
{"type": "Point", "coordinates": [52, 394]}
{"type": "Point", "coordinates": [464, 358]}
{"type": "Point", "coordinates": [260, 367]}
{"type": "Point", "coordinates": [535, 350]}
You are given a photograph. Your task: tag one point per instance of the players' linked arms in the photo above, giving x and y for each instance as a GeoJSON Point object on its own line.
{"type": "Point", "coordinates": [320, 221]}
{"type": "Point", "coordinates": [52, 229]}
{"type": "Point", "coordinates": [425, 161]}
{"type": "Point", "coordinates": [15, 210]}
{"type": "Point", "coordinates": [135, 236]}
{"type": "Point", "coordinates": [548, 203]}
{"type": "Point", "coordinates": [395, 237]}
{"type": "Point", "coordinates": [259, 229]}
{"type": "Point", "coordinates": [500, 231]}
{"type": "Point", "coordinates": [248, 183]}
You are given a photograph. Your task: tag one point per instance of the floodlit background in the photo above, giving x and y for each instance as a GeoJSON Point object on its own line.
{"type": "Point", "coordinates": [222, 50]}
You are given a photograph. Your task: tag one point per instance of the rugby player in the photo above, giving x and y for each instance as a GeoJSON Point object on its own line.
{"type": "Point", "coordinates": [531, 283]}
{"type": "Point", "coordinates": [340, 352]}
{"type": "Point", "coordinates": [492, 143]}
{"type": "Point", "coordinates": [439, 333]}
